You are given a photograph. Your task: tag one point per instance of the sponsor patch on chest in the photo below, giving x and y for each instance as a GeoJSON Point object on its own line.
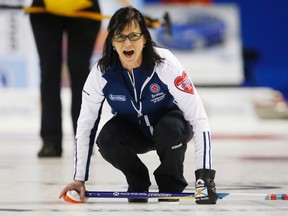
{"type": "Point", "coordinates": [154, 88]}
{"type": "Point", "coordinates": [157, 97]}
{"type": "Point", "coordinates": [183, 83]}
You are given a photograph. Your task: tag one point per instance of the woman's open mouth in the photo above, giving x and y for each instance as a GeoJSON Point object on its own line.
{"type": "Point", "coordinates": [128, 54]}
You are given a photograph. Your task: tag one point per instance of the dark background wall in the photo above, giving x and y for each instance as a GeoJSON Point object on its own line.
{"type": "Point", "coordinates": [264, 32]}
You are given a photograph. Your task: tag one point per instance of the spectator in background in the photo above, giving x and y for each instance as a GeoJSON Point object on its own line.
{"type": "Point", "coordinates": [48, 29]}
{"type": "Point", "coordinates": [50, 19]}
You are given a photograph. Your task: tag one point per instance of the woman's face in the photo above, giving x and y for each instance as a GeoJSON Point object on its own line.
{"type": "Point", "coordinates": [129, 45]}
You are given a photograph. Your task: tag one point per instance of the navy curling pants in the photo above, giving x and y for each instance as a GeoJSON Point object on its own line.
{"type": "Point", "coordinates": [119, 143]}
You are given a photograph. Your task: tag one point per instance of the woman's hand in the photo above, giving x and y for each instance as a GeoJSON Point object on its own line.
{"type": "Point", "coordinates": [79, 186]}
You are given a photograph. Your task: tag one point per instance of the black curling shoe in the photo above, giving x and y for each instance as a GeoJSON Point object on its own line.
{"type": "Point", "coordinates": [168, 200]}
{"type": "Point", "coordinates": [137, 200]}
{"type": "Point", "coordinates": [49, 150]}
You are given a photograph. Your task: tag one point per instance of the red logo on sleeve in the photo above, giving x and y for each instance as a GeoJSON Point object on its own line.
{"type": "Point", "coordinates": [183, 83]}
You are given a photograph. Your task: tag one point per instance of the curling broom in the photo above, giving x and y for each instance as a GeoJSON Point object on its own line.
{"type": "Point", "coordinates": [74, 197]}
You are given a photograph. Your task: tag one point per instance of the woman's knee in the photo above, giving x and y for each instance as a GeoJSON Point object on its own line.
{"type": "Point", "coordinates": [173, 126]}
{"type": "Point", "coordinates": [109, 134]}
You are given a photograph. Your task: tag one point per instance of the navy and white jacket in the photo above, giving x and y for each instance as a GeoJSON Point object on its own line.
{"type": "Point", "coordinates": [142, 100]}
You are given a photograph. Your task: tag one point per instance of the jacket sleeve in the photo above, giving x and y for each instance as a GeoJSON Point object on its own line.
{"type": "Point", "coordinates": [188, 100]}
{"type": "Point", "coordinates": [89, 118]}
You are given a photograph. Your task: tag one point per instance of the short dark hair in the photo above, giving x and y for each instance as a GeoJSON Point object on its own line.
{"type": "Point", "coordinates": [121, 18]}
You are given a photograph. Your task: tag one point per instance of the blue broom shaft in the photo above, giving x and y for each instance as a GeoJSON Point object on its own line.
{"type": "Point", "coordinates": [179, 195]}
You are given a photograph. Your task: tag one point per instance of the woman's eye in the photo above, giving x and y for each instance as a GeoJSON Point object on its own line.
{"type": "Point", "coordinates": [131, 36]}
{"type": "Point", "coordinates": [119, 36]}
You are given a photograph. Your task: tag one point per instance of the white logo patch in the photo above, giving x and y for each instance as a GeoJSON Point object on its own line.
{"type": "Point", "coordinates": [176, 146]}
{"type": "Point", "coordinates": [201, 190]}
{"type": "Point", "coordinates": [117, 97]}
